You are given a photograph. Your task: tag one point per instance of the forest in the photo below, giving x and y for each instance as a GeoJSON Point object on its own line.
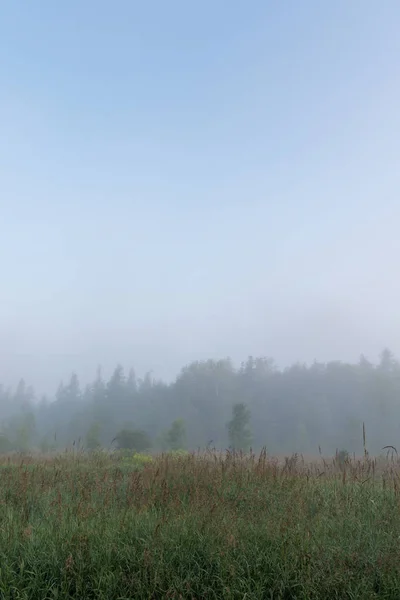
{"type": "Point", "coordinates": [306, 409]}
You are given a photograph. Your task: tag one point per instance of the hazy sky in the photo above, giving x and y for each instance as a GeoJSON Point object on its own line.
{"type": "Point", "coordinates": [183, 180]}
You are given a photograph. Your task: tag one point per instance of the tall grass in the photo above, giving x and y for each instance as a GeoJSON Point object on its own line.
{"type": "Point", "coordinates": [199, 526]}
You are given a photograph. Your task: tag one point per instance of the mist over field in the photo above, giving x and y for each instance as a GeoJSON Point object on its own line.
{"type": "Point", "coordinates": [323, 407]}
{"type": "Point", "coordinates": [191, 184]}
{"type": "Point", "coordinates": [199, 300]}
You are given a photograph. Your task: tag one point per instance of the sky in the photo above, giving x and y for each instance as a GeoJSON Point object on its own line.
{"type": "Point", "coordinates": [190, 180]}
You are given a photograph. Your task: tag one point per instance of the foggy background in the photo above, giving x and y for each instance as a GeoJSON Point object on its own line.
{"type": "Point", "coordinates": [185, 182]}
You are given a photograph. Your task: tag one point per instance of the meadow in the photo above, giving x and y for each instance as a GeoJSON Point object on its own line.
{"type": "Point", "coordinates": [197, 526]}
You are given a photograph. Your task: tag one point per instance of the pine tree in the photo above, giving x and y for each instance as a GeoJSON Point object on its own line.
{"type": "Point", "coordinates": [239, 427]}
{"type": "Point", "coordinates": [176, 436]}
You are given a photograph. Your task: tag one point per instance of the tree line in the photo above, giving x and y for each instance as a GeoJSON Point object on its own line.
{"type": "Point", "coordinates": [300, 408]}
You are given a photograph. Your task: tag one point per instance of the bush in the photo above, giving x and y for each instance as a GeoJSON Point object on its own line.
{"type": "Point", "coordinates": [133, 439]}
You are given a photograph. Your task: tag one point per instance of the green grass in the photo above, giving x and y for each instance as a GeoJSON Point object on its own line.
{"type": "Point", "coordinates": [207, 526]}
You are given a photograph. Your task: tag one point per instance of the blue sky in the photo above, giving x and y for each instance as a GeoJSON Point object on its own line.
{"type": "Point", "coordinates": [187, 180]}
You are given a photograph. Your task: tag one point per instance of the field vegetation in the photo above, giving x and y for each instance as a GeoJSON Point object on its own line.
{"type": "Point", "coordinates": [199, 525]}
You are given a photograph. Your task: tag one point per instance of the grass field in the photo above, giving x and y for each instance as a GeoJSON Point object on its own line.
{"type": "Point", "coordinates": [198, 526]}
